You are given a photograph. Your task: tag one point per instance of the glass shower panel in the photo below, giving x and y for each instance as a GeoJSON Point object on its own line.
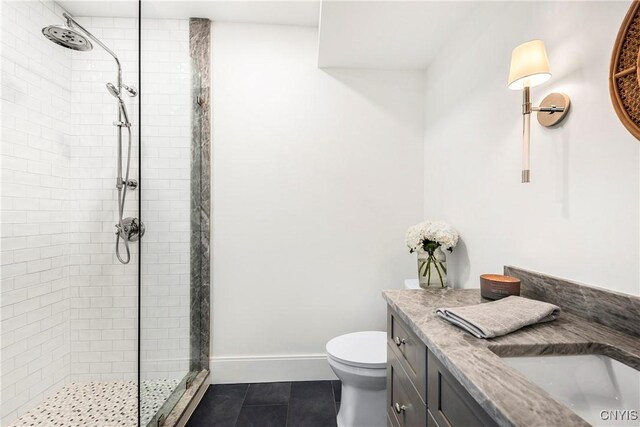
{"type": "Point", "coordinates": [166, 173]}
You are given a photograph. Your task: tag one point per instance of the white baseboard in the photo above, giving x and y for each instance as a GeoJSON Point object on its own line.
{"type": "Point", "coordinates": [260, 369]}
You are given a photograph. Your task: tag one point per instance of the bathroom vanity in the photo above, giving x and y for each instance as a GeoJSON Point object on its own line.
{"type": "Point", "coordinates": [439, 375]}
{"type": "Point", "coordinates": [420, 390]}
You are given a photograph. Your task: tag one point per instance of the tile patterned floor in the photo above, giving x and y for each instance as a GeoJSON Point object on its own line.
{"type": "Point", "coordinates": [152, 395]}
{"type": "Point", "coordinates": [287, 404]}
{"type": "Point", "coordinates": [99, 404]}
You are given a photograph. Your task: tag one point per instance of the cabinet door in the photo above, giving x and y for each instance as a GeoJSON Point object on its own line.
{"type": "Point", "coordinates": [404, 407]}
{"type": "Point", "coordinates": [410, 351]}
{"type": "Point", "coordinates": [449, 403]}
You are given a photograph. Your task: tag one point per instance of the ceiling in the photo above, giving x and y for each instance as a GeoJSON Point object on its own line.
{"type": "Point", "coordinates": [386, 34]}
{"type": "Point", "coordinates": [301, 12]}
{"type": "Point", "coordinates": [352, 34]}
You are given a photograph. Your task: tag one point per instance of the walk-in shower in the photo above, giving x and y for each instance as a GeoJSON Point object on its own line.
{"type": "Point", "coordinates": [72, 36]}
{"type": "Point", "coordinates": [92, 336]}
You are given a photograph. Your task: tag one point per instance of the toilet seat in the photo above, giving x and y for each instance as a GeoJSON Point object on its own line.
{"type": "Point", "coordinates": [366, 349]}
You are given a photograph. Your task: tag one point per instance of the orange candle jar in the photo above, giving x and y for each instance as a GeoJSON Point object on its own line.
{"type": "Point", "coordinates": [496, 286]}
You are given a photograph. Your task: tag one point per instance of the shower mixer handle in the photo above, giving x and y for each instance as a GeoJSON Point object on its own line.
{"type": "Point", "coordinates": [131, 184]}
{"type": "Point", "coordinates": [132, 229]}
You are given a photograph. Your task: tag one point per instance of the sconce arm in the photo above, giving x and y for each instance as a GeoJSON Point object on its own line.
{"type": "Point", "coordinates": [550, 109]}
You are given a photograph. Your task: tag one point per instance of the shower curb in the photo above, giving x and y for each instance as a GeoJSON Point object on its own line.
{"type": "Point", "coordinates": [183, 410]}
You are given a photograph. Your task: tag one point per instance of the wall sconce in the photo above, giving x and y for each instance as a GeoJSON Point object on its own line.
{"type": "Point", "coordinates": [529, 68]}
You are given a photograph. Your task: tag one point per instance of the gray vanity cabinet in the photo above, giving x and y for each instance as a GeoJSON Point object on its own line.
{"type": "Point", "coordinates": [420, 390]}
{"type": "Point", "coordinates": [406, 375]}
{"type": "Point", "coordinates": [449, 403]}
{"type": "Point", "coordinates": [405, 407]}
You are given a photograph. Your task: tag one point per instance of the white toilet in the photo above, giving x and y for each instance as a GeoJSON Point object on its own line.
{"type": "Point", "coordinates": [359, 360]}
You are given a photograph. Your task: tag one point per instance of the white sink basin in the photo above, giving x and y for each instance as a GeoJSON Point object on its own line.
{"type": "Point", "coordinates": [588, 384]}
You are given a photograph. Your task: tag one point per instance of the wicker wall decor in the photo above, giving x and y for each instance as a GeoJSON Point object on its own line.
{"type": "Point", "coordinates": [624, 72]}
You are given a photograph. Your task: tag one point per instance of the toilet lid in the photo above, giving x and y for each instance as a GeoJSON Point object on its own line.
{"type": "Point", "coordinates": [362, 349]}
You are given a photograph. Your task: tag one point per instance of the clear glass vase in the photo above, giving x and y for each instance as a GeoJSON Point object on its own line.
{"type": "Point", "coordinates": [432, 269]}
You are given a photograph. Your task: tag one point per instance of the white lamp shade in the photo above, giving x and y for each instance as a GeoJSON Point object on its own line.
{"type": "Point", "coordinates": [529, 65]}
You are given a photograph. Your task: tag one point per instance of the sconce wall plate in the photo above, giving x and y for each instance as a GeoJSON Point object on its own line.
{"type": "Point", "coordinates": [552, 118]}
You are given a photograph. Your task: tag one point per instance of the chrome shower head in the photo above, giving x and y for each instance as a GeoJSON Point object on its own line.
{"type": "Point", "coordinates": [113, 90]}
{"type": "Point", "coordinates": [67, 37]}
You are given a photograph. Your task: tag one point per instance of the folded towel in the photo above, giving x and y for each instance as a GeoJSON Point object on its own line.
{"type": "Point", "coordinates": [501, 317]}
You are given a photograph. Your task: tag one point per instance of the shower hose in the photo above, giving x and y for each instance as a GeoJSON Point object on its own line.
{"type": "Point", "coordinates": [122, 195]}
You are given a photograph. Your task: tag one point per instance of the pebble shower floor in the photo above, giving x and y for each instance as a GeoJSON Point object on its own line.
{"type": "Point", "coordinates": [100, 404]}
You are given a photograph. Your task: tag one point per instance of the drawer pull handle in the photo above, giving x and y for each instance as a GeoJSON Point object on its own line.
{"type": "Point", "coordinates": [399, 341]}
{"type": "Point", "coordinates": [399, 408]}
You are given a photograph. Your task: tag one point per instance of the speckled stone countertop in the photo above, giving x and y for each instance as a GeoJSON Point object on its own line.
{"type": "Point", "coordinates": [505, 394]}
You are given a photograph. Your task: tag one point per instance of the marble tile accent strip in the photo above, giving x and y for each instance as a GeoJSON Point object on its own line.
{"type": "Point", "coordinates": [617, 310]}
{"type": "Point", "coordinates": [507, 396]}
{"type": "Point", "coordinates": [200, 51]}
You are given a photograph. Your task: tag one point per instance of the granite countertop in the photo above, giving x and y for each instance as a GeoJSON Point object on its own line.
{"type": "Point", "coordinates": [505, 394]}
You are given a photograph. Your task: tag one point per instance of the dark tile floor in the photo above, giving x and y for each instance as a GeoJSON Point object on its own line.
{"type": "Point", "coordinates": [293, 404]}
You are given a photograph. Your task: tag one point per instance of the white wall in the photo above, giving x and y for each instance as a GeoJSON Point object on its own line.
{"type": "Point", "coordinates": [578, 218]}
{"type": "Point", "coordinates": [316, 175]}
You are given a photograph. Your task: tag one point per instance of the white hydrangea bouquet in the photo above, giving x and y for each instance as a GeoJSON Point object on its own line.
{"type": "Point", "coordinates": [429, 240]}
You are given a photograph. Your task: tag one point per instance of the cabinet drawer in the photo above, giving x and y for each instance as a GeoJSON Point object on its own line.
{"type": "Point", "coordinates": [410, 350]}
{"type": "Point", "coordinates": [449, 403]}
{"type": "Point", "coordinates": [405, 408]}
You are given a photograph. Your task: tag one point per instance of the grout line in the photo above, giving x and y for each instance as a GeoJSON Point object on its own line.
{"type": "Point", "coordinates": [242, 405]}
{"type": "Point", "coordinates": [333, 392]}
{"type": "Point", "coordinates": [286, 419]}
{"type": "Point", "coordinates": [265, 404]}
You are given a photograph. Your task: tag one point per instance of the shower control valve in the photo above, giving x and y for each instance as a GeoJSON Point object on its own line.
{"type": "Point", "coordinates": [132, 229]}
{"type": "Point", "coordinates": [132, 184]}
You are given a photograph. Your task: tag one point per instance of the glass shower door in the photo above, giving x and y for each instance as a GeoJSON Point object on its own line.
{"type": "Point", "coordinates": [165, 209]}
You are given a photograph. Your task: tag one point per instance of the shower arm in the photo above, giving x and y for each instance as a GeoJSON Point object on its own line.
{"type": "Point", "coordinates": [72, 22]}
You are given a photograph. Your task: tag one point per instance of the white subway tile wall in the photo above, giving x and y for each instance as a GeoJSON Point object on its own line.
{"type": "Point", "coordinates": [69, 308]}
{"type": "Point", "coordinates": [35, 196]}
{"type": "Point", "coordinates": [104, 304]}
{"type": "Point", "coordinates": [103, 291]}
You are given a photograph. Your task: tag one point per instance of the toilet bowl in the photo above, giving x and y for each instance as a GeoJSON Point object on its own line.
{"type": "Point", "coordinates": [359, 360]}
